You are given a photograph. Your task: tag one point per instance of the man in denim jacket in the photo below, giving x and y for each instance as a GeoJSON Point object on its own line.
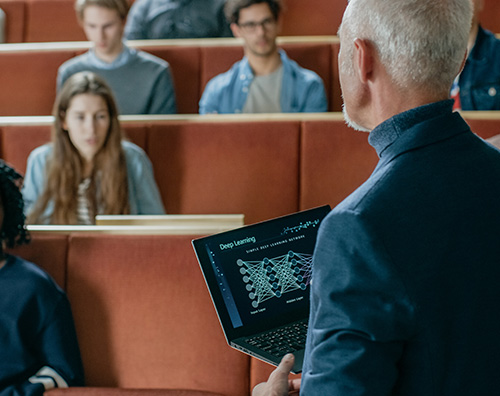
{"type": "Point", "coordinates": [479, 82]}
{"type": "Point", "coordinates": [265, 80]}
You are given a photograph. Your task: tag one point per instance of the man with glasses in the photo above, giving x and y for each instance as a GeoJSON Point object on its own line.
{"type": "Point", "coordinates": [265, 80]}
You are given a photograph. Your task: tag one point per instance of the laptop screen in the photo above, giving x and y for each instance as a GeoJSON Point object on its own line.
{"type": "Point", "coordinates": [260, 274]}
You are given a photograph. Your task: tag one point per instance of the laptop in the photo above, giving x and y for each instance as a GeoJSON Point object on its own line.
{"type": "Point", "coordinates": [258, 277]}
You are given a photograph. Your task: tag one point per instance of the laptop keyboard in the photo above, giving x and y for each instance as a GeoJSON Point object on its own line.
{"type": "Point", "coordinates": [283, 340]}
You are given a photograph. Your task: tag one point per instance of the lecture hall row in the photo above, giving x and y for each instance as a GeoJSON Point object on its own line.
{"type": "Point", "coordinates": [28, 70]}
{"type": "Point", "coordinates": [262, 166]}
{"type": "Point", "coordinates": [55, 20]}
{"type": "Point", "coordinates": [144, 318]}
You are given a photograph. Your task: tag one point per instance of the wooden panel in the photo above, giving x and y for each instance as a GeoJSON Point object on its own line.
{"type": "Point", "coordinates": [15, 15]}
{"type": "Point", "coordinates": [484, 127]}
{"type": "Point", "coordinates": [334, 89]}
{"type": "Point", "coordinates": [335, 160]}
{"type": "Point", "coordinates": [144, 316]}
{"type": "Point", "coordinates": [227, 167]}
{"type": "Point", "coordinates": [19, 141]}
{"type": "Point", "coordinates": [52, 20]}
{"type": "Point", "coordinates": [318, 17]}
{"type": "Point", "coordinates": [490, 17]}
{"type": "Point", "coordinates": [28, 81]}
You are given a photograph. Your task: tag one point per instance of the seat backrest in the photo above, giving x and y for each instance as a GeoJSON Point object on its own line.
{"type": "Point", "coordinates": [227, 167]}
{"type": "Point", "coordinates": [52, 20]}
{"type": "Point", "coordinates": [48, 251]}
{"type": "Point", "coordinates": [335, 160]}
{"type": "Point", "coordinates": [312, 18]}
{"type": "Point", "coordinates": [28, 81]}
{"type": "Point", "coordinates": [144, 316]}
{"type": "Point", "coordinates": [490, 16]}
{"type": "Point", "coordinates": [18, 141]}
{"type": "Point", "coordinates": [15, 14]}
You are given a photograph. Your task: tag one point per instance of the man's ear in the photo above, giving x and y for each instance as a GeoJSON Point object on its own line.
{"type": "Point", "coordinates": [363, 59]}
{"type": "Point", "coordinates": [235, 29]}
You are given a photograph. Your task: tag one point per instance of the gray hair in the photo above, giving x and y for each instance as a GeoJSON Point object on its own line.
{"type": "Point", "coordinates": [421, 43]}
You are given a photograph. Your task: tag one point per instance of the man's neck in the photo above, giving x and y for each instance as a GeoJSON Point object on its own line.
{"type": "Point", "coordinates": [389, 101]}
{"type": "Point", "coordinates": [109, 57]}
{"type": "Point", "coordinates": [264, 65]}
{"type": "Point", "coordinates": [398, 108]}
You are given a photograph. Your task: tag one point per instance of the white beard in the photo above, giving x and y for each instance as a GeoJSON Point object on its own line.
{"type": "Point", "coordinates": [351, 123]}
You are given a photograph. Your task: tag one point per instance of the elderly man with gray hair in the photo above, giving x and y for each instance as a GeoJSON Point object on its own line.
{"type": "Point", "coordinates": [404, 293]}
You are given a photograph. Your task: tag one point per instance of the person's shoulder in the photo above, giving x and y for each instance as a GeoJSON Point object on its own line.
{"type": "Point", "coordinates": [225, 79]}
{"type": "Point", "coordinates": [146, 65]}
{"type": "Point", "coordinates": [37, 278]}
{"type": "Point", "coordinates": [297, 70]}
{"type": "Point", "coordinates": [73, 65]}
{"type": "Point", "coordinates": [486, 45]}
{"type": "Point", "coordinates": [490, 35]}
{"type": "Point", "coordinates": [149, 59]}
{"type": "Point", "coordinates": [41, 152]}
{"type": "Point", "coordinates": [132, 150]}
{"type": "Point", "coordinates": [136, 159]}
{"type": "Point", "coordinates": [494, 141]}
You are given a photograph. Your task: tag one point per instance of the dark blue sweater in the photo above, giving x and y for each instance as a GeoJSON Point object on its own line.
{"type": "Point", "coordinates": [36, 330]}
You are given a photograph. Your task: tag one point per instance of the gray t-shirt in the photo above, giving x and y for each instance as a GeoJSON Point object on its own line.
{"type": "Point", "coordinates": [264, 95]}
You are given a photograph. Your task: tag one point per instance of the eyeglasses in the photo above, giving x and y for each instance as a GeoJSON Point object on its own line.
{"type": "Point", "coordinates": [251, 27]}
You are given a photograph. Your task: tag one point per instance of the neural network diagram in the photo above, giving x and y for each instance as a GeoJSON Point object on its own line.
{"type": "Point", "coordinates": [273, 277]}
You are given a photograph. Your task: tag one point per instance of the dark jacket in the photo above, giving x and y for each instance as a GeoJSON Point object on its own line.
{"type": "Point", "coordinates": [404, 293]}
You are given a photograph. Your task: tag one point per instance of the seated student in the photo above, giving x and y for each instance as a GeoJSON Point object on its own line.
{"type": "Point", "coordinates": [265, 80]}
{"type": "Point", "coordinates": [478, 85]}
{"type": "Point", "coordinates": [38, 344]}
{"type": "Point", "coordinates": [88, 168]}
{"type": "Point", "coordinates": [174, 19]}
{"type": "Point", "coordinates": [141, 82]}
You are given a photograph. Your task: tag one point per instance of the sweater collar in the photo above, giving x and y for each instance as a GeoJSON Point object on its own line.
{"type": "Point", "coordinates": [385, 134]}
{"type": "Point", "coordinates": [121, 59]}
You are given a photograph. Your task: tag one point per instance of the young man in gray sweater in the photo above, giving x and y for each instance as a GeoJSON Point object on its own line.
{"type": "Point", "coordinates": [141, 82]}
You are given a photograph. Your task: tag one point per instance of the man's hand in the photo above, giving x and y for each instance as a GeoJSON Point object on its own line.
{"type": "Point", "coordinates": [278, 383]}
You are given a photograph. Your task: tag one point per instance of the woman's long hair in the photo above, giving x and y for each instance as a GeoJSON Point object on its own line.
{"type": "Point", "coordinates": [108, 190]}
